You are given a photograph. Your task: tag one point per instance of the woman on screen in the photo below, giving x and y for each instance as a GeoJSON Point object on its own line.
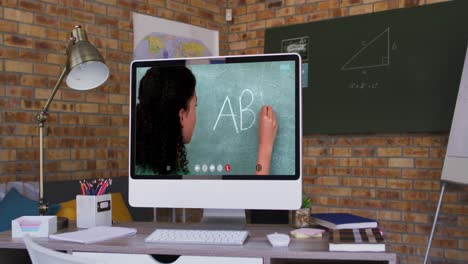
{"type": "Point", "coordinates": [166, 119]}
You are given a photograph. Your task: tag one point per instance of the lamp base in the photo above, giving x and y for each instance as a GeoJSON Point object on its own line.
{"type": "Point", "coordinates": [43, 206]}
{"type": "Point", "coordinates": [62, 222]}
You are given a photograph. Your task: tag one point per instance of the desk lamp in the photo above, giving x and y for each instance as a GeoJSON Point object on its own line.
{"type": "Point", "coordinates": [86, 70]}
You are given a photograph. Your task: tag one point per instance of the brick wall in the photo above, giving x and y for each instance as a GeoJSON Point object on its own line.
{"type": "Point", "coordinates": [87, 131]}
{"type": "Point", "coordinates": [390, 177]}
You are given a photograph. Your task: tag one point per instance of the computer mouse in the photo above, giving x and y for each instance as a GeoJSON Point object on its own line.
{"type": "Point", "coordinates": [278, 240]}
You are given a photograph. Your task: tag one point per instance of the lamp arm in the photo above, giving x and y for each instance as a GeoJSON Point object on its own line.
{"type": "Point", "coordinates": [45, 108]}
{"type": "Point", "coordinates": [41, 117]}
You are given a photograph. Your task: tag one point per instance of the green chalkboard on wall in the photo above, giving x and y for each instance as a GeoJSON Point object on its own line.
{"type": "Point", "coordinates": [391, 71]}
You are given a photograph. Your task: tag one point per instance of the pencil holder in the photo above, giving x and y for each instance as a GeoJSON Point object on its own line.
{"type": "Point", "coordinates": [93, 210]}
{"type": "Point", "coordinates": [301, 217]}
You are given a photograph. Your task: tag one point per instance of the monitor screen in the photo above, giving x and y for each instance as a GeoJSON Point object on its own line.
{"type": "Point", "coordinates": [216, 132]}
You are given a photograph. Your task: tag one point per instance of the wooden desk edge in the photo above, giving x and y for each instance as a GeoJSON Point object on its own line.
{"type": "Point", "coordinates": [257, 246]}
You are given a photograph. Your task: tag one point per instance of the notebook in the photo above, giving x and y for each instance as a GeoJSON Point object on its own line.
{"type": "Point", "coordinates": [353, 240]}
{"type": "Point", "coordinates": [94, 234]}
{"type": "Point", "coordinates": [343, 221]}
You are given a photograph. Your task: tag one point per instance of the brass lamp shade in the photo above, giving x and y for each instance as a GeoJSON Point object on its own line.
{"type": "Point", "coordinates": [86, 66]}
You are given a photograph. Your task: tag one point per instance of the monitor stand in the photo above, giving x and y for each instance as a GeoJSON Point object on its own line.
{"type": "Point", "coordinates": [223, 219]}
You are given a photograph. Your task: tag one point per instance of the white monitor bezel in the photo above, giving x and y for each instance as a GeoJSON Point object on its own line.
{"type": "Point", "coordinates": [263, 193]}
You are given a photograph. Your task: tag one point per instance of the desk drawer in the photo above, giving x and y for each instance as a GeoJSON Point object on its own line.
{"type": "Point", "coordinates": [116, 258]}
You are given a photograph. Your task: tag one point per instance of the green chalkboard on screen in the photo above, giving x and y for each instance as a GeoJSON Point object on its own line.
{"type": "Point", "coordinates": [230, 97]}
{"type": "Point", "coordinates": [230, 94]}
{"type": "Point", "coordinates": [391, 71]}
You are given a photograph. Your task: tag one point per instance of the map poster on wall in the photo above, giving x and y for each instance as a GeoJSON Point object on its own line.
{"type": "Point", "coordinates": [157, 38]}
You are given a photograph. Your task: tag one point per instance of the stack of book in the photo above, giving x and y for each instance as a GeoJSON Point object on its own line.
{"type": "Point", "coordinates": [349, 232]}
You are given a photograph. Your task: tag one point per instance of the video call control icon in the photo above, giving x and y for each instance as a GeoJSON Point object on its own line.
{"type": "Point", "coordinates": [212, 167]}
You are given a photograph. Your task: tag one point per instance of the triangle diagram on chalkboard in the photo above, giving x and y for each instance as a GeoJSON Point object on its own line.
{"type": "Point", "coordinates": [375, 53]}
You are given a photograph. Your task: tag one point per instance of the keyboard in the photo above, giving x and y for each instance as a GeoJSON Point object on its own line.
{"type": "Point", "coordinates": [191, 236]}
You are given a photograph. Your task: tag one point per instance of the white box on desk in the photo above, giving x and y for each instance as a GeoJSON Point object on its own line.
{"type": "Point", "coordinates": [93, 210]}
{"type": "Point", "coordinates": [35, 226]}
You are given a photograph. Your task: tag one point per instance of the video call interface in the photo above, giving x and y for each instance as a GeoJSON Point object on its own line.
{"type": "Point", "coordinates": [230, 96]}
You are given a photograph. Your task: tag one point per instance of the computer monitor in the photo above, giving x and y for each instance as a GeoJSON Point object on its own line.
{"type": "Point", "coordinates": [218, 151]}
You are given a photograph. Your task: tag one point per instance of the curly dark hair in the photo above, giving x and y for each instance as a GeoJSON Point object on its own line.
{"type": "Point", "coordinates": [164, 91]}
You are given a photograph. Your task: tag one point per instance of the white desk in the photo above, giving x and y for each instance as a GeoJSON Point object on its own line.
{"type": "Point", "coordinates": [257, 246]}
